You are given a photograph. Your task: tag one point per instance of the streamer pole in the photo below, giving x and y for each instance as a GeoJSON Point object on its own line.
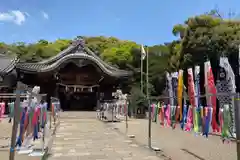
{"type": "Point", "coordinates": [237, 120]}
{"type": "Point", "coordinates": [149, 106]}
{"type": "Point", "coordinates": [43, 138]}
{"type": "Point", "coordinates": [15, 122]}
{"type": "Point", "coordinates": [50, 116]}
{"type": "Point", "coordinates": [126, 114]}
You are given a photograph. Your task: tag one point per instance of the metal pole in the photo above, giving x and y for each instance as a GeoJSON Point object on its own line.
{"type": "Point", "coordinates": [50, 117]}
{"type": "Point", "coordinates": [149, 107]}
{"type": "Point", "coordinates": [43, 139]}
{"type": "Point", "coordinates": [238, 60]}
{"type": "Point", "coordinates": [126, 114]}
{"type": "Point", "coordinates": [54, 116]}
{"type": "Point", "coordinates": [141, 74]}
{"type": "Point", "coordinates": [112, 113]}
{"type": "Point", "coordinates": [15, 123]}
{"type": "Point", "coordinates": [237, 120]}
{"type": "Point", "coordinates": [29, 128]}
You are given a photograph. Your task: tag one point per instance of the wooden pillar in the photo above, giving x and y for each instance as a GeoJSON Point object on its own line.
{"type": "Point", "coordinates": [98, 97]}
{"type": "Point", "coordinates": [56, 91]}
{"type": "Point", "coordinates": [48, 101]}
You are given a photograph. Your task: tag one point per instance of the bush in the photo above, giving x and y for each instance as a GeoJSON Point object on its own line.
{"type": "Point", "coordinates": [137, 99]}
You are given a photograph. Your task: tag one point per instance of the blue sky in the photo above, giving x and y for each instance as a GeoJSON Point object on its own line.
{"type": "Point", "coordinates": [144, 21]}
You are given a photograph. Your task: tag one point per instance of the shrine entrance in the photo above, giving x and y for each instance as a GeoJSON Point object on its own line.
{"type": "Point", "coordinates": [78, 89]}
{"type": "Point", "coordinates": [83, 101]}
{"type": "Point", "coordinates": [79, 101]}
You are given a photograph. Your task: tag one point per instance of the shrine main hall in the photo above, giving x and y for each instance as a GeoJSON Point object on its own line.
{"type": "Point", "coordinates": [76, 76]}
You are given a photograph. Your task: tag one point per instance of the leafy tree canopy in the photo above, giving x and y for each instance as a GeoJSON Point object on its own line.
{"type": "Point", "coordinates": [202, 37]}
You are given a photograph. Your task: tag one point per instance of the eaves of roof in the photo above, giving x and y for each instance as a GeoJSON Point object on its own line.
{"type": "Point", "coordinates": [76, 47]}
{"type": "Point", "coordinates": [43, 67]}
{"type": "Point", "coordinates": [7, 64]}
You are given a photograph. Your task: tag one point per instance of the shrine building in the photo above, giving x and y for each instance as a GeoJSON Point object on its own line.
{"type": "Point", "coordinates": [76, 75]}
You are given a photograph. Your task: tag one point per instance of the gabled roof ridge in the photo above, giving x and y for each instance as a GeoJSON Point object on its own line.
{"type": "Point", "coordinates": [107, 65]}
{"type": "Point", "coordinates": [48, 67]}
{"type": "Point", "coordinates": [61, 54]}
{"type": "Point", "coordinates": [79, 43]}
{"type": "Point", "coordinates": [89, 51]}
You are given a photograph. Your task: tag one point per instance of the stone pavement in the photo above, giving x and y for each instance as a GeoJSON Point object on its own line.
{"type": "Point", "coordinates": [81, 136]}
{"type": "Point", "coordinates": [177, 144]}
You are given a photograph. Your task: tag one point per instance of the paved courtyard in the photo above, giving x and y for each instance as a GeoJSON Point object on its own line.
{"type": "Point", "coordinates": [177, 144]}
{"type": "Point", "coordinates": [81, 136]}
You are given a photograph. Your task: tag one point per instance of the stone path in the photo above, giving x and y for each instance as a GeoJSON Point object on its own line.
{"type": "Point", "coordinates": [177, 144]}
{"type": "Point", "coordinates": [81, 136]}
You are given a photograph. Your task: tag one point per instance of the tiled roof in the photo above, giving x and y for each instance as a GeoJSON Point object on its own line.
{"type": "Point", "coordinates": [37, 67]}
{"type": "Point", "coordinates": [7, 63]}
{"type": "Point", "coordinates": [77, 50]}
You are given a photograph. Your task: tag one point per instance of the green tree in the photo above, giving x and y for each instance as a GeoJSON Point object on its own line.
{"type": "Point", "coordinates": [120, 55]}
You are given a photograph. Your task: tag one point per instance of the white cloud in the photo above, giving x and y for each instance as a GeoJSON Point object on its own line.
{"type": "Point", "coordinates": [28, 15]}
{"type": "Point", "coordinates": [45, 15]}
{"type": "Point", "coordinates": [14, 16]}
